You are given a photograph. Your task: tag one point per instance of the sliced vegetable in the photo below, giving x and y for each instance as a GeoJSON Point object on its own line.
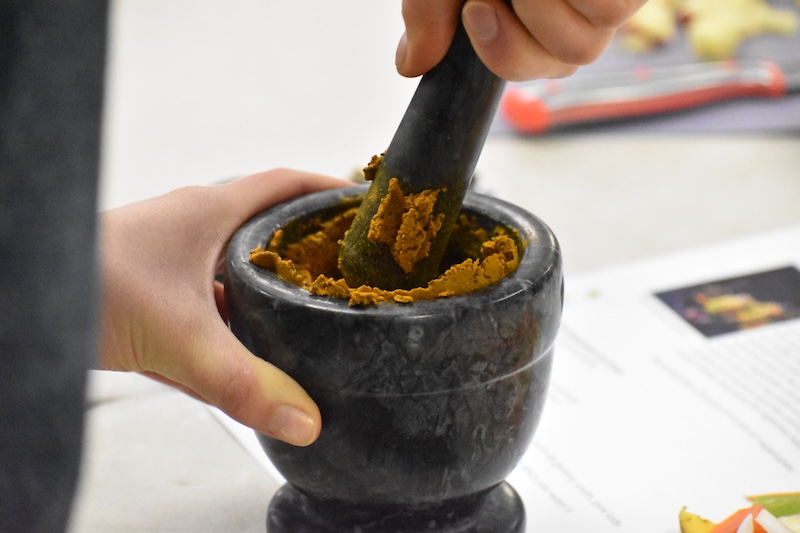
{"type": "Point", "coordinates": [748, 526]}
{"type": "Point", "coordinates": [779, 504]}
{"type": "Point", "coordinates": [770, 513]}
{"type": "Point", "coordinates": [769, 523]}
{"type": "Point", "coordinates": [792, 523]}
{"type": "Point", "coordinates": [732, 523]}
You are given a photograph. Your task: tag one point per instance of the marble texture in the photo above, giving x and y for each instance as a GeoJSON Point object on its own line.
{"type": "Point", "coordinates": [498, 509]}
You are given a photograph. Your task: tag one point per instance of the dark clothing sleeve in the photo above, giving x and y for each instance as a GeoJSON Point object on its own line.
{"type": "Point", "coordinates": [52, 56]}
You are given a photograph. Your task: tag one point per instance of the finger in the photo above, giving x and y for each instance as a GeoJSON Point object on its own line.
{"type": "Point", "coordinates": [506, 46]}
{"type": "Point", "coordinates": [232, 204]}
{"type": "Point", "coordinates": [565, 32]}
{"type": "Point", "coordinates": [169, 218]}
{"type": "Point", "coordinates": [430, 27]}
{"type": "Point", "coordinates": [609, 14]}
{"type": "Point", "coordinates": [239, 200]}
{"type": "Point", "coordinates": [219, 300]}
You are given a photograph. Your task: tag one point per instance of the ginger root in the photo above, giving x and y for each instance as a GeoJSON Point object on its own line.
{"type": "Point", "coordinates": [652, 26]}
{"type": "Point", "coordinates": [715, 29]}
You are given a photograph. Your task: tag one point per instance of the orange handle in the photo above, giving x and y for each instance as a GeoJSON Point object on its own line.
{"type": "Point", "coordinates": [536, 107]}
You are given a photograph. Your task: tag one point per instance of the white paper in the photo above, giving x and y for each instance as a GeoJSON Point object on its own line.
{"type": "Point", "coordinates": [646, 414]}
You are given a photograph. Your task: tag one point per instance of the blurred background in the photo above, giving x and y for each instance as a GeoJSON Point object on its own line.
{"type": "Point", "coordinates": [202, 91]}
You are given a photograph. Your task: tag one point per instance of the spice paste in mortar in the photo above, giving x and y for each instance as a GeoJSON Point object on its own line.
{"type": "Point", "coordinates": [312, 261]}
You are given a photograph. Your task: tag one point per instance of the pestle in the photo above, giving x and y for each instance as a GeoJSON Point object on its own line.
{"type": "Point", "coordinates": [436, 147]}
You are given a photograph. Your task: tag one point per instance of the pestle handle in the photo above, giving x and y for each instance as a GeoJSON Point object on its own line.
{"type": "Point", "coordinates": [436, 146]}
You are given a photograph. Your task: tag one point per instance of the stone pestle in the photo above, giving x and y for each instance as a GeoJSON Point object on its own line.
{"type": "Point", "coordinates": [436, 147]}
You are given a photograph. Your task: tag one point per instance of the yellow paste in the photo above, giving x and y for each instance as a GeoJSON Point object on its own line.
{"type": "Point", "coordinates": [406, 224]}
{"type": "Point", "coordinates": [372, 167]}
{"type": "Point", "coordinates": [311, 263]}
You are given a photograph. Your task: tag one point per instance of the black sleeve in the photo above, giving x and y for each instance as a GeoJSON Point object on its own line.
{"type": "Point", "coordinates": [52, 56]}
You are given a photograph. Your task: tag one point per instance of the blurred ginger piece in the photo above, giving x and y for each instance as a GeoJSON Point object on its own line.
{"type": "Point", "coordinates": [652, 26]}
{"type": "Point", "coordinates": [714, 28]}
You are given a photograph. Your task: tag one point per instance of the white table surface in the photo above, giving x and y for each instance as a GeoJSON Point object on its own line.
{"type": "Point", "coordinates": [202, 91]}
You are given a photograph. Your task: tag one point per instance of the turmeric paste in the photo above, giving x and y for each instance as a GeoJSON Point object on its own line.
{"type": "Point", "coordinates": [311, 263]}
{"type": "Point", "coordinates": [406, 224]}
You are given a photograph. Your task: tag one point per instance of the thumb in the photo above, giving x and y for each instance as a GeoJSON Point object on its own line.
{"type": "Point", "coordinates": [218, 369]}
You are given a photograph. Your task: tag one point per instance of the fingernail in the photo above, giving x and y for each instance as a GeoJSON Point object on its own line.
{"type": "Point", "coordinates": [481, 21]}
{"type": "Point", "coordinates": [293, 426]}
{"type": "Point", "coordinates": [402, 51]}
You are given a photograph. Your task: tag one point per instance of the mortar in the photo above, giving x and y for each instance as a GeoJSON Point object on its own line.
{"type": "Point", "coordinates": [427, 406]}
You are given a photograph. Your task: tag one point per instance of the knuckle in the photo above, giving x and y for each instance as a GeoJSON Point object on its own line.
{"type": "Point", "coordinates": [517, 73]}
{"type": "Point", "coordinates": [581, 48]}
{"type": "Point", "coordinates": [562, 71]}
{"type": "Point", "coordinates": [235, 393]}
{"type": "Point", "coordinates": [611, 15]}
{"type": "Point", "coordinates": [578, 54]}
{"type": "Point", "coordinates": [611, 18]}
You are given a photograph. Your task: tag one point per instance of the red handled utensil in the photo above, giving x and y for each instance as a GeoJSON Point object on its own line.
{"type": "Point", "coordinates": [537, 107]}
